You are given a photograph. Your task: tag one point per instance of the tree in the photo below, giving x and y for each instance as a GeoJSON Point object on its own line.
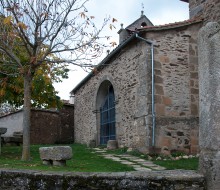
{"type": "Point", "coordinates": [43, 94]}
{"type": "Point", "coordinates": [48, 32]}
{"type": "Point", "coordinates": [6, 108]}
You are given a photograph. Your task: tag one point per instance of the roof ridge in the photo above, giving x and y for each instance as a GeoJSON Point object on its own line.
{"type": "Point", "coordinates": [179, 23]}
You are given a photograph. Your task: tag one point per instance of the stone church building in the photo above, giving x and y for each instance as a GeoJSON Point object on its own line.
{"type": "Point", "coordinates": [145, 92]}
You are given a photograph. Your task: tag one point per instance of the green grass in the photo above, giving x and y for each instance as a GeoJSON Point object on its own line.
{"type": "Point", "coordinates": [84, 160]}
{"type": "Point", "coordinates": [186, 164]}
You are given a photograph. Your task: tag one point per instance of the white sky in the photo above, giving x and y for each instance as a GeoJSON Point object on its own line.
{"type": "Point", "coordinates": [125, 11]}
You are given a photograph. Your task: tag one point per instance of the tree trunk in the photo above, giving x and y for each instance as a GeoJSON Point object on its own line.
{"type": "Point", "coordinates": [27, 117]}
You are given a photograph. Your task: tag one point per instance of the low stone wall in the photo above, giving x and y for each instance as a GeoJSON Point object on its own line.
{"type": "Point", "coordinates": [36, 180]}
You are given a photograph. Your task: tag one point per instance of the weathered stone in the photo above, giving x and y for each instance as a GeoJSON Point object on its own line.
{"type": "Point", "coordinates": [130, 75]}
{"type": "Point", "coordinates": [47, 162]}
{"type": "Point", "coordinates": [92, 144]}
{"type": "Point", "coordinates": [159, 90]}
{"type": "Point", "coordinates": [194, 109]}
{"type": "Point", "coordinates": [164, 59]}
{"type": "Point", "coordinates": [138, 180]}
{"type": "Point", "coordinates": [59, 163]}
{"type": "Point", "coordinates": [177, 134]}
{"type": "Point", "coordinates": [57, 153]}
{"type": "Point", "coordinates": [207, 9]}
{"type": "Point", "coordinates": [160, 109]}
{"type": "Point", "coordinates": [209, 69]}
{"type": "Point", "coordinates": [167, 101]}
{"type": "Point", "coordinates": [158, 80]}
{"type": "Point", "coordinates": [60, 125]}
{"type": "Point", "coordinates": [112, 144]}
{"type": "Point", "coordinates": [194, 91]}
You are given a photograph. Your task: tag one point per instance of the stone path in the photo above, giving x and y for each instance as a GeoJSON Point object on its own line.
{"type": "Point", "coordinates": [137, 163]}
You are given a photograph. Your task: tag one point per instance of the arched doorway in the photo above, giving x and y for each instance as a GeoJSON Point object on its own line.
{"type": "Point", "coordinates": [107, 113]}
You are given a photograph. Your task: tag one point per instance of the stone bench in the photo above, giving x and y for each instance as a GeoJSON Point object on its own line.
{"type": "Point", "coordinates": [56, 155]}
{"type": "Point", "coordinates": [16, 139]}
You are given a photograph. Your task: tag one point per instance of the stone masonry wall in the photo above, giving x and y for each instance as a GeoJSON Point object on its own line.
{"type": "Point", "coordinates": [32, 180]}
{"type": "Point", "coordinates": [66, 130]}
{"type": "Point", "coordinates": [176, 88]}
{"type": "Point", "coordinates": [49, 127]}
{"type": "Point", "coordinates": [44, 127]}
{"type": "Point", "coordinates": [176, 93]}
{"type": "Point", "coordinates": [127, 73]}
{"type": "Point", "coordinates": [177, 135]}
{"type": "Point", "coordinates": [176, 71]}
{"type": "Point", "coordinates": [208, 9]}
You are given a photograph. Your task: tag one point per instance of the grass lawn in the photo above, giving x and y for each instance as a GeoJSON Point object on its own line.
{"type": "Point", "coordinates": [186, 164]}
{"type": "Point", "coordinates": [83, 160]}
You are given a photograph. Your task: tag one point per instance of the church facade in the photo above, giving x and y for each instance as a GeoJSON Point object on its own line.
{"type": "Point", "coordinates": [144, 94]}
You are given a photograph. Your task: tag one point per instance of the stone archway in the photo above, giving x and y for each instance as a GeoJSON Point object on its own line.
{"type": "Point", "coordinates": [105, 105]}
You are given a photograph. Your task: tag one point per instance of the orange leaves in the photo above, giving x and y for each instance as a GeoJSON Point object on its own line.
{"type": "Point", "coordinates": [7, 20]}
{"type": "Point", "coordinates": [113, 44]}
{"type": "Point", "coordinates": [83, 15]}
{"type": "Point", "coordinates": [2, 92]}
{"type": "Point", "coordinates": [33, 60]}
{"type": "Point", "coordinates": [111, 26]}
{"type": "Point", "coordinates": [114, 20]}
{"type": "Point", "coordinates": [16, 89]}
{"type": "Point", "coordinates": [95, 71]}
{"type": "Point", "coordinates": [22, 25]}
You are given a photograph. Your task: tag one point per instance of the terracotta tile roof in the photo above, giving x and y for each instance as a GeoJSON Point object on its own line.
{"type": "Point", "coordinates": [172, 25]}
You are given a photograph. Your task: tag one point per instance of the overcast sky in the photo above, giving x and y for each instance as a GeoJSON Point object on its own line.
{"type": "Point", "coordinates": [126, 11]}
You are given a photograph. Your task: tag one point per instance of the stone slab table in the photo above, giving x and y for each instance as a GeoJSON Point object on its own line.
{"type": "Point", "coordinates": [55, 155]}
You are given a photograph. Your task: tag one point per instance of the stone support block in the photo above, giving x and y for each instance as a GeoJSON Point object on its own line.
{"type": "Point", "coordinates": [112, 144]}
{"type": "Point", "coordinates": [209, 75]}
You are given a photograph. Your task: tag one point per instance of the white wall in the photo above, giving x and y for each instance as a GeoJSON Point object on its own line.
{"type": "Point", "coordinates": [12, 122]}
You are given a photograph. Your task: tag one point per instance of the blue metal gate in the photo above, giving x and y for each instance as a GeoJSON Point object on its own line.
{"type": "Point", "coordinates": [107, 111]}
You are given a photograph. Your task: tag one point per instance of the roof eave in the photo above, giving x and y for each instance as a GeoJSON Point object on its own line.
{"type": "Point", "coordinates": [105, 60]}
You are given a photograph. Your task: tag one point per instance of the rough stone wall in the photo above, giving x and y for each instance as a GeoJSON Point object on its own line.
{"type": "Point", "coordinates": [176, 93]}
{"type": "Point", "coordinates": [66, 129]}
{"type": "Point", "coordinates": [177, 135]}
{"type": "Point", "coordinates": [209, 75]}
{"type": "Point", "coordinates": [47, 127]}
{"type": "Point", "coordinates": [44, 126]}
{"type": "Point", "coordinates": [176, 71]}
{"type": "Point", "coordinates": [176, 88]}
{"type": "Point", "coordinates": [128, 73]}
{"type": "Point", "coordinates": [32, 180]}
{"type": "Point", "coordinates": [208, 9]}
